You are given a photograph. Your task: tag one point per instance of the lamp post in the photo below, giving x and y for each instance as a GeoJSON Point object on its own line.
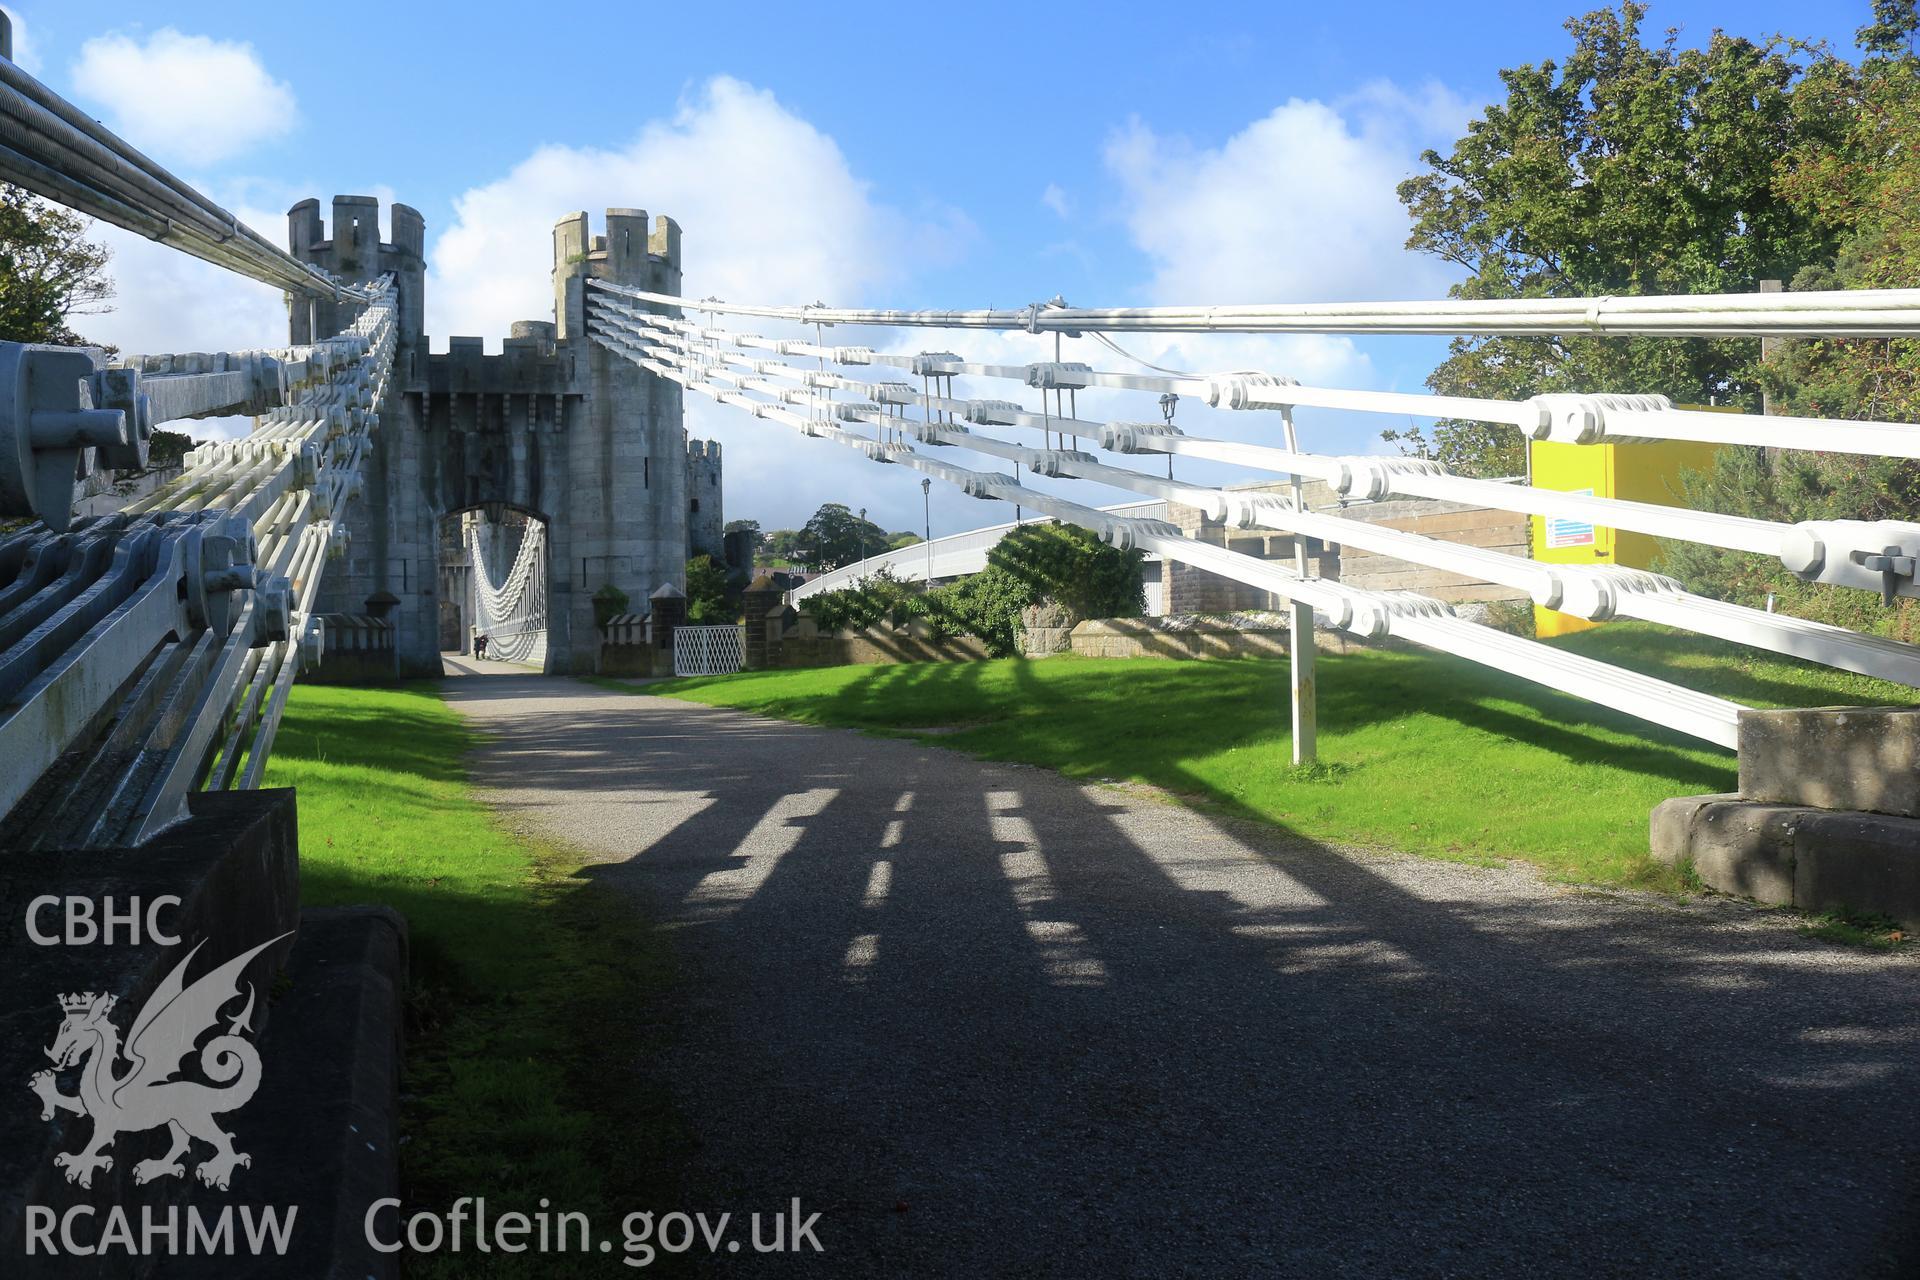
{"type": "Point", "coordinates": [926, 498]}
{"type": "Point", "coordinates": [863, 533]}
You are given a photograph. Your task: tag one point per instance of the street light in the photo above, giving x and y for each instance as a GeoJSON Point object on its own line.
{"type": "Point", "coordinates": [863, 533]}
{"type": "Point", "coordinates": [926, 497]}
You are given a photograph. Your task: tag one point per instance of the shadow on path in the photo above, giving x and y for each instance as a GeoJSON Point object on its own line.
{"type": "Point", "coordinates": [991, 1021]}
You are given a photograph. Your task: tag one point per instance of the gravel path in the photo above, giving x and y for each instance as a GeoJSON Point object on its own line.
{"type": "Point", "coordinates": [994, 1022]}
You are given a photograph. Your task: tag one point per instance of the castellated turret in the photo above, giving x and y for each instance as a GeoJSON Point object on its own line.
{"type": "Point", "coordinates": [627, 254]}
{"type": "Point", "coordinates": [356, 253]}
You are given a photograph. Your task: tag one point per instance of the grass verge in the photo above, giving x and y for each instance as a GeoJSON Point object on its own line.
{"type": "Point", "coordinates": [524, 983]}
{"type": "Point", "coordinates": [1420, 752]}
{"type": "Point", "coordinates": [1874, 933]}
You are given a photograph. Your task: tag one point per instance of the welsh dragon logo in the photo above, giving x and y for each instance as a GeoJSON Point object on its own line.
{"type": "Point", "coordinates": [146, 1095]}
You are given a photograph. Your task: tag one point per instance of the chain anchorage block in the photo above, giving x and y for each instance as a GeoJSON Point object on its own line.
{"type": "Point", "coordinates": [50, 429]}
{"type": "Point", "coordinates": [272, 609]}
{"type": "Point", "coordinates": [120, 389]}
{"type": "Point", "coordinates": [219, 567]}
{"type": "Point", "coordinates": [313, 640]}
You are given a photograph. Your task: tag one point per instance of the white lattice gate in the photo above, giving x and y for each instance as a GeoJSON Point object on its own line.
{"type": "Point", "coordinates": [707, 651]}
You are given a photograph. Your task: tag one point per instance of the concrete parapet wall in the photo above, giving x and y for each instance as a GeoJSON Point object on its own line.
{"type": "Point", "coordinates": [356, 649]}
{"type": "Point", "coordinates": [1795, 856]}
{"type": "Point", "coordinates": [1865, 758]}
{"type": "Point", "coordinates": [234, 867]}
{"type": "Point", "coordinates": [635, 660]}
{"type": "Point", "coordinates": [1827, 817]}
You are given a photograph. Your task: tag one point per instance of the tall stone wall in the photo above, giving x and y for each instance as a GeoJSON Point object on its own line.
{"type": "Point", "coordinates": [553, 426]}
{"type": "Point", "coordinates": [627, 503]}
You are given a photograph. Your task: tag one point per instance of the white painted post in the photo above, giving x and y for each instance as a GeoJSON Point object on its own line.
{"type": "Point", "coordinates": [1300, 650]}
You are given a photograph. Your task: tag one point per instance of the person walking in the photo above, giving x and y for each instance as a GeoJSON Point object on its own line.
{"type": "Point", "coordinates": [480, 646]}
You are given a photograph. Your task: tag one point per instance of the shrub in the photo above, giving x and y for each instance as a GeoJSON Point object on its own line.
{"type": "Point", "coordinates": [707, 602]}
{"type": "Point", "coordinates": [1073, 568]}
{"type": "Point", "coordinates": [876, 598]}
{"type": "Point", "coordinates": [609, 602]}
{"type": "Point", "coordinates": [1034, 563]}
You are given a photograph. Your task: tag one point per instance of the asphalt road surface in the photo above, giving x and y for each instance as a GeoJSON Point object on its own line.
{"type": "Point", "coordinates": [991, 1022]}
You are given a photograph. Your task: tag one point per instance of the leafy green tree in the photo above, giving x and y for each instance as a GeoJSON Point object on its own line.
{"type": "Point", "coordinates": [168, 448]}
{"type": "Point", "coordinates": [878, 597]}
{"type": "Point", "coordinates": [835, 537]}
{"type": "Point", "coordinates": [779, 544]}
{"type": "Point", "coordinates": [609, 602]}
{"type": "Point", "coordinates": [1867, 184]}
{"type": "Point", "coordinates": [707, 603]}
{"type": "Point", "coordinates": [1891, 31]}
{"type": "Point", "coordinates": [1628, 168]}
{"type": "Point", "coordinates": [49, 271]}
{"type": "Point", "coordinates": [985, 604]}
{"type": "Point", "coordinates": [1035, 564]}
{"type": "Point", "coordinates": [751, 527]}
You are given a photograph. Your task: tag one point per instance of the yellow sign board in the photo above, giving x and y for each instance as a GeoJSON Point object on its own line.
{"type": "Point", "coordinates": [1647, 472]}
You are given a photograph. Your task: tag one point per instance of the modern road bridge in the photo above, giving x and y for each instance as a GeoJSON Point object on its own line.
{"type": "Point", "coordinates": [147, 654]}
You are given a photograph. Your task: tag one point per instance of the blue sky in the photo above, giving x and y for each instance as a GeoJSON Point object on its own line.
{"type": "Point", "coordinates": [968, 156]}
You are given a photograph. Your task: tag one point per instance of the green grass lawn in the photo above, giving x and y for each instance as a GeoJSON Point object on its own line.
{"type": "Point", "coordinates": [1420, 752]}
{"type": "Point", "coordinates": [523, 978]}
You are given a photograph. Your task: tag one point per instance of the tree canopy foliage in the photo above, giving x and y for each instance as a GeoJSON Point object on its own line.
{"type": "Point", "coordinates": [1628, 167]}
{"type": "Point", "coordinates": [1634, 168]}
{"type": "Point", "coordinates": [709, 600]}
{"type": "Point", "coordinates": [1865, 184]}
{"type": "Point", "coordinates": [49, 271]}
{"type": "Point", "coordinates": [833, 538]}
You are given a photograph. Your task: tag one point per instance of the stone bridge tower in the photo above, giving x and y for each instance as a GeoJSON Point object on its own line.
{"type": "Point", "coordinates": [553, 426]}
{"type": "Point", "coordinates": [706, 519]}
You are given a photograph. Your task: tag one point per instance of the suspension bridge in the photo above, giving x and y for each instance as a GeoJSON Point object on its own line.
{"type": "Point", "coordinates": [146, 655]}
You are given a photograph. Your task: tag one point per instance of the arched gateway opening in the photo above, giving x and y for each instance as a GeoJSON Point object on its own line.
{"type": "Point", "coordinates": [494, 561]}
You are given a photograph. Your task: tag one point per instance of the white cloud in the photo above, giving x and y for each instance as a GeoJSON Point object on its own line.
{"type": "Point", "coordinates": [190, 98]}
{"type": "Point", "coordinates": [1299, 206]}
{"type": "Point", "coordinates": [165, 300]}
{"type": "Point", "coordinates": [770, 207]}
{"type": "Point", "coordinates": [1431, 114]}
{"type": "Point", "coordinates": [772, 211]}
{"type": "Point", "coordinates": [1056, 199]}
